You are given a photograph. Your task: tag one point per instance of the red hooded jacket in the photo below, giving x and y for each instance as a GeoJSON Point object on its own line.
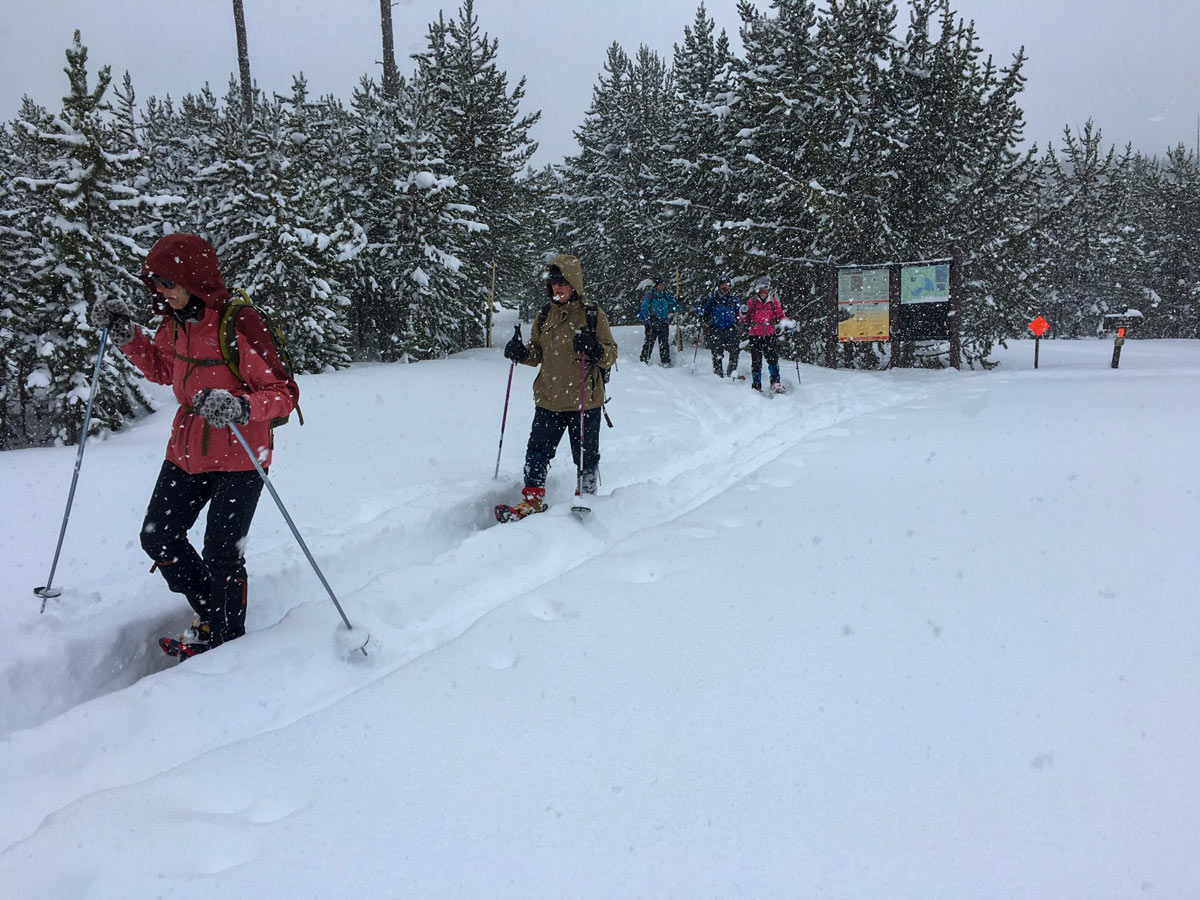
{"type": "Point", "coordinates": [187, 356]}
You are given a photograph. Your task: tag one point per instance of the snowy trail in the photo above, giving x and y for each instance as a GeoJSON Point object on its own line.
{"type": "Point", "coordinates": [958, 599]}
{"type": "Point", "coordinates": [415, 573]}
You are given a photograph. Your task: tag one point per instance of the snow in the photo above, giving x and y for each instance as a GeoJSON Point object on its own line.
{"type": "Point", "coordinates": [901, 634]}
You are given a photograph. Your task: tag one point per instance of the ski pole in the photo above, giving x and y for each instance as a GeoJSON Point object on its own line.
{"type": "Point", "coordinates": [696, 349]}
{"type": "Point", "coordinates": [504, 418]}
{"type": "Point", "coordinates": [47, 591]}
{"type": "Point", "coordinates": [295, 531]}
{"type": "Point", "coordinates": [582, 394]}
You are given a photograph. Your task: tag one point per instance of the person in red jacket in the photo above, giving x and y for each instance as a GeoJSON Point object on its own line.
{"type": "Point", "coordinates": [205, 463]}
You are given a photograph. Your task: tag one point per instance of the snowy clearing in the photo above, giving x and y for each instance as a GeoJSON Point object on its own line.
{"type": "Point", "coordinates": [900, 634]}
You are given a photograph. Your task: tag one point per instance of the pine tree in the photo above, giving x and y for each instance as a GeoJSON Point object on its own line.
{"type": "Point", "coordinates": [1088, 232]}
{"type": "Point", "coordinates": [407, 237]}
{"type": "Point", "coordinates": [1166, 194]}
{"type": "Point", "coordinates": [87, 243]}
{"type": "Point", "coordinates": [773, 226]}
{"type": "Point", "coordinates": [486, 143]}
{"type": "Point", "coordinates": [284, 253]}
{"type": "Point", "coordinates": [616, 185]}
{"type": "Point", "coordinates": [702, 151]}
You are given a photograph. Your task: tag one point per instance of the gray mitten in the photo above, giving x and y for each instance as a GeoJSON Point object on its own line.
{"type": "Point", "coordinates": [113, 314]}
{"type": "Point", "coordinates": [219, 408]}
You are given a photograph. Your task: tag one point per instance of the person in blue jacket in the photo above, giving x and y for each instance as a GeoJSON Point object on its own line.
{"type": "Point", "coordinates": [718, 313]}
{"type": "Point", "coordinates": [655, 313]}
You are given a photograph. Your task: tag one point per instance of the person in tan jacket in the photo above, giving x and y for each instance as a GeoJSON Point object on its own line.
{"type": "Point", "coordinates": [570, 339]}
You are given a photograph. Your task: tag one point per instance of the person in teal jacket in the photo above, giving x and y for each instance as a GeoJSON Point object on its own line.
{"type": "Point", "coordinates": [655, 313]}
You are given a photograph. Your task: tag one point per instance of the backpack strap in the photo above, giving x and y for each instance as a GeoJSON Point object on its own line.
{"type": "Point", "coordinates": [541, 317]}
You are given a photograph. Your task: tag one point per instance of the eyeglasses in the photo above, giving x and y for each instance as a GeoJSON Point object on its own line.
{"type": "Point", "coordinates": [159, 280]}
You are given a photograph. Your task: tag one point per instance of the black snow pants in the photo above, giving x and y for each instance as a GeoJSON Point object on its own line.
{"type": "Point", "coordinates": [215, 584]}
{"type": "Point", "coordinates": [760, 346]}
{"type": "Point", "coordinates": [661, 332]}
{"type": "Point", "coordinates": [719, 341]}
{"type": "Point", "coordinates": [544, 438]}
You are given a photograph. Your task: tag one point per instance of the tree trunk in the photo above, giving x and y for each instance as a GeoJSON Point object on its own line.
{"type": "Point", "coordinates": [239, 23]}
{"type": "Point", "coordinates": [391, 78]}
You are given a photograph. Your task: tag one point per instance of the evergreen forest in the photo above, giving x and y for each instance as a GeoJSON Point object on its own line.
{"type": "Point", "coordinates": [382, 226]}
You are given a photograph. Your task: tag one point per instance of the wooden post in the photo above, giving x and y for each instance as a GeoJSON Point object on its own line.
{"type": "Point", "coordinates": [678, 315]}
{"type": "Point", "coordinates": [1037, 343]}
{"type": "Point", "coordinates": [1120, 339]}
{"type": "Point", "coordinates": [831, 315]}
{"type": "Point", "coordinates": [491, 306]}
{"type": "Point", "coordinates": [956, 265]}
{"type": "Point", "coordinates": [893, 315]}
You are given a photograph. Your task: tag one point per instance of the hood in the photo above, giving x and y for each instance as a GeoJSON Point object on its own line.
{"type": "Point", "coordinates": [191, 261]}
{"type": "Point", "coordinates": [572, 271]}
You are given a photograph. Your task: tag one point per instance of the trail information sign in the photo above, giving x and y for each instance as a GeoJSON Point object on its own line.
{"type": "Point", "coordinates": [863, 305]}
{"type": "Point", "coordinates": [924, 303]}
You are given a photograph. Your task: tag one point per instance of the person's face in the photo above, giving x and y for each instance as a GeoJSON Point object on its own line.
{"type": "Point", "coordinates": [762, 293]}
{"type": "Point", "coordinates": [562, 290]}
{"type": "Point", "coordinates": [177, 297]}
{"type": "Point", "coordinates": [724, 287]}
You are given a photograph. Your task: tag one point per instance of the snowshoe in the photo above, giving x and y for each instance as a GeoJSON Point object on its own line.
{"type": "Point", "coordinates": [778, 388]}
{"type": "Point", "coordinates": [177, 648]}
{"type": "Point", "coordinates": [534, 502]}
{"type": "Point", "coordinates": [196, 638]}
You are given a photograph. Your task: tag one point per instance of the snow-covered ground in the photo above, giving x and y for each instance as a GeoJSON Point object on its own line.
{"type": "Point", "coordinates": [892, 635]}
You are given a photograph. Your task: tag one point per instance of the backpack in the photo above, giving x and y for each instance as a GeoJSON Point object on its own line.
{"type": "Point", "coordinates": [230, 355]}
{"type": "Point", "coordinates": [227, 339]}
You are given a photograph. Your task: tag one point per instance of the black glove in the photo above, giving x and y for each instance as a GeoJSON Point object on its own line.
{"type": "Point", "coordinates": [113, 314]}
{"type": "Point", "coordinates": [515, 349]}
{"type": "Point", "coordinates": [220, 408]}
{"type": "Point", "coordinates": [585, 344]}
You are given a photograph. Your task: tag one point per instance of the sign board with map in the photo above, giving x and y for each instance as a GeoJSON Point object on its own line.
{"type": "Point", "coordinates": [863, 304]}
{"type": "Point", "coordinates": [924, 302]}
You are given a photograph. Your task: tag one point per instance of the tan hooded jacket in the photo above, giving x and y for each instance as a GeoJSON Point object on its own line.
{"type": "Point", "coordinates": [551, 346]}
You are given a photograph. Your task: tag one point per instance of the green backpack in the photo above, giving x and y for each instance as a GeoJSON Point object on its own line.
{"type": "Point", "coordinates": [230, 356]}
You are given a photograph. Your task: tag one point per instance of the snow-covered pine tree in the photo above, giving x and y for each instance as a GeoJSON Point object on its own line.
{"type": "Point", "coordinates": [698, 180]}
{"type": "Point", "coordinates": [285, 253]}
{"type": "Point", "coordinates": [18, 155]}
{"type": "Point", "coordinates": [772, 224]}
{"type": "Point", "coordinates": [1089, 233]}
{"type": "Point", "coordinates": [962, 183]}
{"type": "Point", "coordinates": [87, 247]}
{"type": "Point", "coordinates": [615, 184]}
{"type": "Point", "coordinates": [487, 147]}
{"type": "Point", "coordinates": [408, 231]}
{"type": "Point", "coordinates": [1167, 197]}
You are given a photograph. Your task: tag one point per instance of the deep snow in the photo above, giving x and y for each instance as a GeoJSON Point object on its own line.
{"type": "Point", "coordinates": [892, 635]}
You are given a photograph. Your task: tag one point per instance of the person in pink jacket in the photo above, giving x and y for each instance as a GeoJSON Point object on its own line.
{"type": "Point", "coordinates": [762, 311]}
{"type": "Point", "coordinates": [205, 463]}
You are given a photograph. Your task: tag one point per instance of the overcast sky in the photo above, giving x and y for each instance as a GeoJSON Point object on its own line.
{"type": "Point", "coordinates": [1132, 65]}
